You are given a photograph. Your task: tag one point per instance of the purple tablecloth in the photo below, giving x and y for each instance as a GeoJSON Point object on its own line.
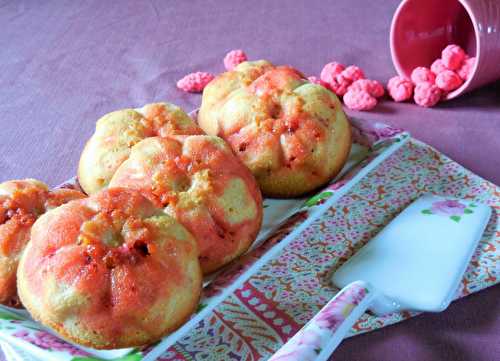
{"type": "Point", "coordinates": [64, 63]}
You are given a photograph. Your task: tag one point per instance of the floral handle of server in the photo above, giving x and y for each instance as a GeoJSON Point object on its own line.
{"type": "Point", "coordinates": [322, 334]}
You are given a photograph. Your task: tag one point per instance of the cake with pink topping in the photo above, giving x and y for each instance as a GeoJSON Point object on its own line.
{"type": "Point", "coordinates": [110, 271]}
{"type": "Point", "coordinates": [292, 134]}
{"type": "Point", "coordinates": [198, 180]}
{"type": "Point", "coordinates": [21, 203]}
{"type": "Point", "coordinates": [118, 131]}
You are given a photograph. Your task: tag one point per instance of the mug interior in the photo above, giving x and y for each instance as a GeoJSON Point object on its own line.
{"type": "Point", "coordinates": [421, 29]}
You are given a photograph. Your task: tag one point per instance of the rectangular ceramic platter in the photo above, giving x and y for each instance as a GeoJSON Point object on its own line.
{"type": "Point", "coordinates": [283, 220]}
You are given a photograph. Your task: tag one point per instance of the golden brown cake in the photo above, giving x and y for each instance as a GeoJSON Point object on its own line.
{"type": "Point", "coordinates": [202, 184]}
{"type": "Point", "coordinates": [110, 271]}
{"type": "Point", "coordinates": [118, 131]}
{"type": "Point", "coordinates": [292, 134]}
{"type": "Point", "coordinates": [21, 203]}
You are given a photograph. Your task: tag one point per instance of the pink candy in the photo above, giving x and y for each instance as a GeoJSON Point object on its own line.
{"type": "Point", "coordinates": [233, 58]}
{"type": "Point", "coordinates": [448, 80]}
{"type": "Point", "coordinates": [427, 94]}
{"type": "Point", "coordinates": [422, 74]}
{"type": "Point", "coordinates": [445, 75]}
{"type": "Point", "coordinates": [438, 66]}
{"type": "Point", "coordinates": [372, 87]}
{"type": "Point", "coordinates": [195, 82]}
{"type": "Point", "coordinates": [362, 94]}
{"type": "Point", "coordinates": [453, 56]}
{"type": "Point", "coordinates": [331, 75]}
{"type": "Point", "coordinates": [353, 73]}
{"type": "Point", "coordinates": [400, 88]}
{"type": "Point", "coordinates": [339, 84]}
{"type": "Point", "coordinates": [339, 78]}
{"type": "Point", "coordinates": [358, 93]}
{"type": "Point", "coordinates": [359, 100]}
{"type": "Point", "coordinates": [465, 70]}
{"type": "Point", "coordinates": [330, 71]}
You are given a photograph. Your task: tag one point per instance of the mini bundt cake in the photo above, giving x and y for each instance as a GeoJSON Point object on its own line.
{"type": "Point", "coordinates": [204, 186]}
{"type": "Point", "coordinates": [21, 203]}
{"type": "Point", "coordinates": [118, 131]}
{"type": "Point", "coordinates": [110, 271]}
{"type": "Point", "coordinates": [292, 134]}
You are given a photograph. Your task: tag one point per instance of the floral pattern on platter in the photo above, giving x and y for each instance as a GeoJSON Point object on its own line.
{"type": "Point", "coordinates": [48, 342]}
{"type": "Point", "coordinates": [287, 292]}
{"type": "Point", "coordinates": [450, 208]}
{"type": "Point", "coordinates": [307, 344]}
{"type": "Point", "coordinates": [274, 304]}
{"type": "Point", "coordinates": [369, 133]}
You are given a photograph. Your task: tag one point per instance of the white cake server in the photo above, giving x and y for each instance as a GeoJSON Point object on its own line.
{"type": "Point", "coordinates": [415, 263]}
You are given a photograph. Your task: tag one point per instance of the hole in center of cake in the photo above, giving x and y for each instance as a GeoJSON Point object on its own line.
{"type": "Point", "coordinates": [167, 185]}
{"type": "Point", "coordinates": [113, 230]}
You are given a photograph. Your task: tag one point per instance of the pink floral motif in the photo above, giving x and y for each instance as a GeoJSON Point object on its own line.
{"type": "Point", "coordinates": [336, 312]}
{"type": "Point", "coordinates": [368, 133]}
{"type": "Point", "coordinates": [448, 208]}
{"type": "Point", "coordinates": [305, 348]}
{"type": "Point", "coordinates": [384, 131]}
{"type": "Point", "coordinates": [337, 185]}
{"type": "Point", "coordinates": [46, 341]}
{"type": "Point", "coordinates": [308, 342]}
{"type": "Point", "coordinates": [359, 137]}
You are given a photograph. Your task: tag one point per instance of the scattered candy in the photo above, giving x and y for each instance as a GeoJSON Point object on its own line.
{"type": "Point", "coordinates": [359, 100]}
{"type": "Point", "coordinates": [330, 71]}
{"type": "Point", "coordinates": [372, 87]}
{"type": "Point", "coordinates": [465, 70]}
{"type": "Point", "coordinates": [453, 56]}
{"type": "Point", "coordinates": [422, 74]}
{"type": "Point", "coordinates": [426, 85]}
{"type": "Point", "coordinates": [448, 80]}
{"type": "Point", "coordinates": [339, 84]}
{"type": "Point", "coordinates": [427, 94]}
{"type": "Point", "coordinates": [446, 74]}
{"type": "Point", "coordinates": [438, 66]}
{"type": "Point", "coordinates": [233, 58]}
{"type": "Point", "coordinates": [349, 82]}
{"type": "Point", "coordinates": [331, 76]}
{"type": "Point", "coordinates": [195, 82]}
{"type": "Point", "coordinates": [400, 88]}
{"type": "Point", "coordinates": [353, 73]}
{"type": "Point", "coordinates": [338, 78]}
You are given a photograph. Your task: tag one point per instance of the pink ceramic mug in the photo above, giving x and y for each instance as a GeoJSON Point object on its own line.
{"type": "Point", "coordinates": [420, 29]}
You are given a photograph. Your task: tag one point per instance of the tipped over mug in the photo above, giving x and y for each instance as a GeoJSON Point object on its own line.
{"type": "Point", "coordinates": [421, 29]}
